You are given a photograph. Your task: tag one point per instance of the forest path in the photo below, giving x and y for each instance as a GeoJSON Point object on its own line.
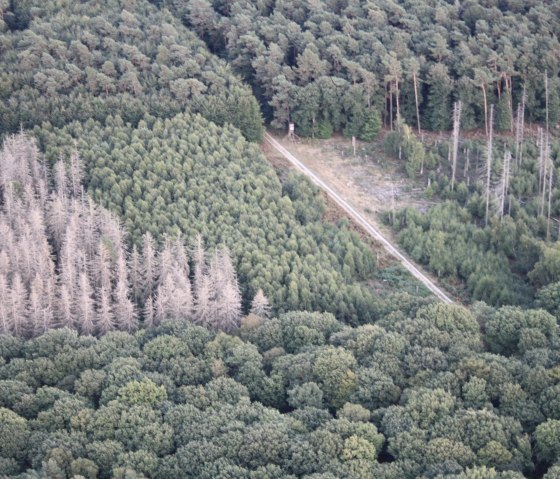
{"type": "Point", "coordinates": [360, 220]}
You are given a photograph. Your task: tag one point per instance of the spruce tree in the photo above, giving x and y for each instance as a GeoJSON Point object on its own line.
{"type": "Point", "coordinates": [371, 126]}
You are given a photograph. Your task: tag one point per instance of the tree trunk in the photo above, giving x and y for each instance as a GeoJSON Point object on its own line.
{"type": "Point", "coordinates": [416, 100]}
{"type": "Point", "coordinates": [397, 99]}
{"type": "Point", "coordinates": [485, 109]}
{"type": "Point", "coordinates": [550, 178]}
{"type": "Point", "coordinates": [505, 180]}
{"type": "Point", "coordinates": [489, 163]}
{"type": "Point", "coordinates": [391, 105]}
{"type": "Point", "coordinates": [456, 129]}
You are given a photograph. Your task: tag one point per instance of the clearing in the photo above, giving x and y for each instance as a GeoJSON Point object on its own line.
{"type": "Point", "coordinates": [360, 186]}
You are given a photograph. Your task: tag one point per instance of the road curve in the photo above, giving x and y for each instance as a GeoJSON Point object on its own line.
{"type": "Point", "coordinates": [358, 218]}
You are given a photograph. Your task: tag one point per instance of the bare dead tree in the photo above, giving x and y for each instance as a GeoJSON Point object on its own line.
{"type": "Point", "coordinates": [126, 317]}
{"type": "Point", "coordinates": [228, 315]}
{"type": "Point", "coordinates": [165, 261]}
{"type": "Point", "coordinates": [84, 306]}
{"type": "Point", "coordinates": [5, 299]}
{"type": "Point", "coordinates": [505, 180]}
{"type": "Point", "coordinates": [149, 312]}
{"type": "Point", "coordinates": [136, 275]}
{"type": "Point", "coordinates": [550, 181]}
{"type": "Point", "coordinates": [105, 318]}
{"type": "Point", "coordinates": [199, 261]}
{"type": "Point", "coordinates": [204, 306]}
{"type": "Point", "coordinates": [149, 265]}
{"type": "Point", "coordinates": [180, 258]}
{"type": "Point", "coordinates": [60, 180]}
{"type": "Point", "coordinates": [455, 150]}
{"type": "Point", "coordinates": [260, 305]}
{"type": "Point", "coordinates": [489, 147]}
{"type": "Point", "coordinates": [18, 307]}
{"type": "Point", "coordinates": [57, 218]}
{"type": "Point", "coordinates": [65, 317]}
{"type": "Point", "coordinates": [76, 173]}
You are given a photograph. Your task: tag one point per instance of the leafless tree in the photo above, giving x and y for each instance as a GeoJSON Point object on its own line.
{"type": "Point", "coordinates": [125, 312]}
{"type": "Point", "coordinates": [60, 180]}
{"type": "Point", "coordinates": [489, 148]}
{"type": "Point", "coordinates": [149, 265]}
{"type": "Point", "coordinates": [136, 275]}
{"type": "Point", "coordinates": [260, 305]}
{"type": "Point", "coordinates": [5, 303]}
{"type": "Point", "coordinates": [84, 306]}
{"type": "Point", "coordinates": [18, 307]}
{"type": "Point", "coordinates": [456, 129]}
{"type": "Point", "coordinates": [505, 180]}
{"type": "Point", "coordinates": [148, 312]}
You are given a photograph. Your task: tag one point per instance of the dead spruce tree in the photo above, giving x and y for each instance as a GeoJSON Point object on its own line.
{"type": "Point", "coordinates": [63, 260]}
{"type": "Point", "coordinates": [260, 306]}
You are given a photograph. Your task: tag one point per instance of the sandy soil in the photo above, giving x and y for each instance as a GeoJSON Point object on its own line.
{"type": "Point", "coordinates": [369, 180]}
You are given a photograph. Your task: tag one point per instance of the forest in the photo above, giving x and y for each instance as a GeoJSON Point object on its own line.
{"type": "Point", "coordinates": [172, 306]}
{"type": "Point", "coordinates": [421, 394]}
{"type": "Point", "coordinates": [327, 64]}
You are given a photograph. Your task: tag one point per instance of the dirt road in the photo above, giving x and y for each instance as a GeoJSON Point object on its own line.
{"type": "Point", "coordinates": [359, 219]}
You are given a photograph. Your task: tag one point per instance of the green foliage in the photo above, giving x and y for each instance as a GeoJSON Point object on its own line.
{"type": "Point", "coordinates": [403, 143]}
{"type": "Point", "coordinates": [324, 130]}
{"type": "Point", "coordinates": [504, 114]}
{"type": "Point", "coordinates": [300, 395]}
{"type": "Point", "coordinates": [85, 61]}
{"type": "Point", "coordinates": [187, 175]}
{"type": "Point", "coordinates": [547, 439]}
{"type": "Point", "coordinates": [359, 54]}
{"type": "Point", "coordinates": [450, 244]}
{"type": "Point", "coordinates": [371, 127]}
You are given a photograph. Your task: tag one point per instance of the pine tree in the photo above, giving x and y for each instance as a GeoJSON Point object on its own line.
{"type": "Point", "coordinates": [438, 108]}
{"type": "Point", "coordinates": [372, 125]}
{"type": "Point", "coordinates": [503, 114]}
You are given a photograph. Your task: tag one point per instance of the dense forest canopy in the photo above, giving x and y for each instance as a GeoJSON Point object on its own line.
{"type": "Point", "coordinates": [76, 61]}
{"type": "Point", "coordinates": [299, 396]}
{"type": "Point", "coordinates": [324, 64]}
